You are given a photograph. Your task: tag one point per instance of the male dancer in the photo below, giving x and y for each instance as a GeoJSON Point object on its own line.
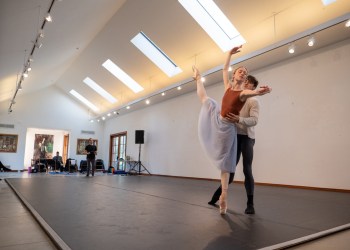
{"type": "Point", "coordinates": [247, 119]}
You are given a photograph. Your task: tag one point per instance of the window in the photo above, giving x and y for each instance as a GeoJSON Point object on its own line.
{"type": "Point", "coordinates": [209, 16]}
{"type": "Point", "coordinates": [118, 151]}
{"type": "Point", "coordinates": [155, 54]}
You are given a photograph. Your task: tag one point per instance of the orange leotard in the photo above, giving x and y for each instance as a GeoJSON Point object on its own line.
{"type": "Point", "coordinates": [231, 102]}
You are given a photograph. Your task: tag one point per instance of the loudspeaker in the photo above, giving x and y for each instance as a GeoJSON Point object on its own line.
{"type": "Point", "coordinates": [139, 136]}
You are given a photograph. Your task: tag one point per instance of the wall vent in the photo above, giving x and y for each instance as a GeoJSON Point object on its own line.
{"type": "Point", "coordinates": [7, 125]}
{"type": "Point", "coordinates": [88, 132]}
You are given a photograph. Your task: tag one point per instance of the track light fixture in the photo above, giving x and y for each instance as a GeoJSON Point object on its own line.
{"type": "Point", "coordinates": [347, 24]}
{"type": "Point", "coordinates": [311, 41]}
{"type": "Point", "coordinates": [27, 67]}
{"type": "Point", "coordinates": [291, 49]}
{"type": "Point", "coordinates": [146, 100]}
{"type": "Point", "coordinates": [41, 34]}
{"type": "Point", "coordinates": [38, 45]}
{"type": "Point", "coordinates": [48, 17]}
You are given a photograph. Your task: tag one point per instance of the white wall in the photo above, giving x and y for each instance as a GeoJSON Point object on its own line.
{"type": "Point", "coordinates": [48, 110]}
{"type": "Point", "coordinates": [302, 135]}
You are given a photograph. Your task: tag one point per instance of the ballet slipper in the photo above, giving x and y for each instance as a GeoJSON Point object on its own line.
{"type": "Point", "coordinates": [223, 203]}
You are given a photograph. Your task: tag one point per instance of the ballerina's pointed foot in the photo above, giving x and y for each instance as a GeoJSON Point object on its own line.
{"type": "Point", "coordinates": [223, 210]}
{"type": "Point", "coordinates": [223, 204]}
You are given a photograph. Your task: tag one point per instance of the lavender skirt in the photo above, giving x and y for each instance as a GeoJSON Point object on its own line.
{"type": "Point", "coordinates": [217, 137]}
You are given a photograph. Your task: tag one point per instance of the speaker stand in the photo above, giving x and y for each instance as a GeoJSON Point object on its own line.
{"type": "Point", "coordinates": [139, 164]}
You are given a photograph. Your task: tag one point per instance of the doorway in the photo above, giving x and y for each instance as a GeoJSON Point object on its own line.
{"type": "Point", "coordinates": [65, 147]}
{"type": "Point", "coordinates": [60, 143]}
{"type": "Point", "coordinates": [117, 154]}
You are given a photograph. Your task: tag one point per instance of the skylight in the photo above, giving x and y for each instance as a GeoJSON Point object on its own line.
{"type": "Point", "coordinates": [155, 54]}
{"type": "Point", "coordinates": [83, 100]}
{"type": "Point", "coordinates": [88, 81]}
{"type": "Point", "coordinates": [327, 2]}
{"type": "Point", "coordinates": [214, 22]}
{"type": "Point", "coordinates": [122, 76]}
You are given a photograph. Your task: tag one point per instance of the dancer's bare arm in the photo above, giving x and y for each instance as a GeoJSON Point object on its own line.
{"type": "Point", "coordinates": [245, 94]}
{"type": "Point", "coordinates": [225, 71]}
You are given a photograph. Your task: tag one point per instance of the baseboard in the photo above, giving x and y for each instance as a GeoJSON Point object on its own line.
{"type": "Point", "coordinates": [263, 184]}
{"type": "Point", "coordinates": [303, 187]}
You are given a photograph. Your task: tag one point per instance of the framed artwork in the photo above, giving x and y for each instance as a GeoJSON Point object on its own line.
{"type": "Point", "coordinates": [82, 143]}
{"type": "Point", "coordinates": [43, 146]}
{"type": "Point", "coordinates": [8, 143]}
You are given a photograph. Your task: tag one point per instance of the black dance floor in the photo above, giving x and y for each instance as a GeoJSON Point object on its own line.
{"type": "Point", "coordinates": [152, 212]}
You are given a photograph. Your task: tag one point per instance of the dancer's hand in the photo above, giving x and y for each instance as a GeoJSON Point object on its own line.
{"type": "Point", "coordinates": [235, 50]}
{"type": "Point", "coordinates": [196, 73]}
{"type": "Point", "coordinates": [232, 118]}
{"type": "Point", "coordinates": [264, 90]}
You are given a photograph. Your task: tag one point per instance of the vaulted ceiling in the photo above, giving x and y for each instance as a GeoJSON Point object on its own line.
{"type": "Point", "coordinates": [85, 33]}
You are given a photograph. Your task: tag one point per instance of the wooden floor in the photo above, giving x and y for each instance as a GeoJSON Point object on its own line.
{"type": "Point", "coordinates": [150, 212]}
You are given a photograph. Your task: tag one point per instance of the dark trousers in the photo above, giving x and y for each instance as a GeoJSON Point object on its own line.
{"type": "Point", "coordinates": [245, 147]}
{"type": "Point", "coordinates": [91, 162]}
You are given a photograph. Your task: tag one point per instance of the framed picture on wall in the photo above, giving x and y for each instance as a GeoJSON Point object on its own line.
{"type": "Point", "coordinates": [8, 143]}
{"type": "Point", "coordinates": [43, 146]}
{"type": "Point", "coordinates": [82, 143]}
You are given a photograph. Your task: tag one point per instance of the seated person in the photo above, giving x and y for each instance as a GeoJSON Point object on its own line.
{"type": "Point", "coordinates": [58, 161]}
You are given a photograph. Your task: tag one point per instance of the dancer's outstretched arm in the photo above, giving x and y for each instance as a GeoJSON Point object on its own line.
{"type": "Point", "coordinates": [245, 94]}
{"type": "Point", "coordinates": [225, 71]}
{"type": "Point", "coordinates": [201, 92]}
